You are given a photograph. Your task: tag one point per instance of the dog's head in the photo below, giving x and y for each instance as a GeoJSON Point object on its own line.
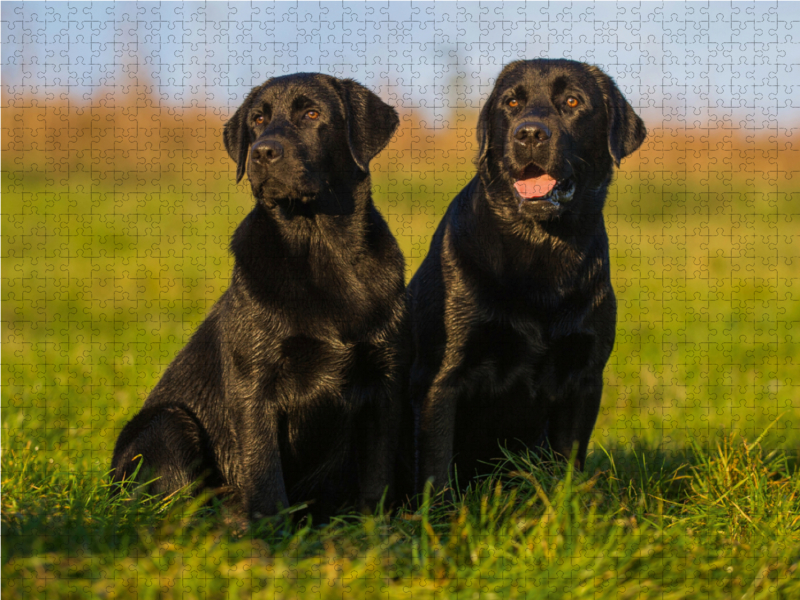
{"type": "Point", "coordinates": [305, 135]}
{"type": "Point", "coordinates": [549, 135]}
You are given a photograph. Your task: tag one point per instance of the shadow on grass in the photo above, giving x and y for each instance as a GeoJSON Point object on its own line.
{"type": "Point", "coordinates": [732, 485]}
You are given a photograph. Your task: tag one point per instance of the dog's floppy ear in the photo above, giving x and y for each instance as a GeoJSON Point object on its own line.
{"type": "Point", "coordinates": [626, 131]}
{"type": "Point", "coordinates": [370, 122]}
{"type": "Point", "coordinates": [483, 130]}
{"type": "Point", "coordinates": [237, 135]}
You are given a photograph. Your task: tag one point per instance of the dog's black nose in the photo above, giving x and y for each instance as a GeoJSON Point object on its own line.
{"type": "Point", "coordinates": [266, 151]}
{"type": "Point", "coordinates": [531, 132]}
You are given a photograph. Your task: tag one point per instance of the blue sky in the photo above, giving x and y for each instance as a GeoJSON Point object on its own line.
{"type": "Point", "coordinates": [681, 64]}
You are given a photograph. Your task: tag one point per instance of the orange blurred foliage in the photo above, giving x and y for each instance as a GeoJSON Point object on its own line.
{"type": "Point", "coordinates": [136, 131]}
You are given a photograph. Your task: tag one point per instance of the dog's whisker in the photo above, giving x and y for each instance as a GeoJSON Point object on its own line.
{"type": "Point", "coordinates": [338, 202]}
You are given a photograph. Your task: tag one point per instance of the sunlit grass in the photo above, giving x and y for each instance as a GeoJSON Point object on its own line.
{"type": "Point", "coordinates": [107, 273]}
{"type": "Point", "coordinates": [638, 523]}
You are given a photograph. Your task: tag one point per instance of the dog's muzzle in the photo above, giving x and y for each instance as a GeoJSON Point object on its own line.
{"type": "Point", "coordinates": [532, 184]}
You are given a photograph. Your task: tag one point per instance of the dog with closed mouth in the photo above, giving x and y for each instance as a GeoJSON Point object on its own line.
{"type": "Point", "coordinates": [512, 311]}
{"type": "Point", "coordinates": [291, 389]}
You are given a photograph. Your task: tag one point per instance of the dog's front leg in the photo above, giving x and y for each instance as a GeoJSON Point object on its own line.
{"type": "Point", "coordinates": [377, 431]}
{"type": "Point", "coordinates": [436, 429]}
{"type": "Point", "coordinates": [262, 483]}
{"type": "Point", "coordinates": [572, 420]}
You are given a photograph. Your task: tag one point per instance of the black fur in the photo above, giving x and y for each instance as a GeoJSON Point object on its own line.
{"type": "Point", "coordinates": [512, 311]}
{"type": "Point", "coordinates": [291, 389]}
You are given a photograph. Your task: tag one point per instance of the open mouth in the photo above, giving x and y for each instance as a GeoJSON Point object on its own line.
{"type": "Point", "coordinates": [534, 185]}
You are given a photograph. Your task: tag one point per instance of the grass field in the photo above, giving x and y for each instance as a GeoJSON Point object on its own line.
{"type": "Point", "coordinates": [112, 253]}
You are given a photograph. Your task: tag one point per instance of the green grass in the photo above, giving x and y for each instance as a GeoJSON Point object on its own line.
{"type": "Point", "coordinates": [105, 276]}
{"type": "Point", "coordinates": [645, 525]}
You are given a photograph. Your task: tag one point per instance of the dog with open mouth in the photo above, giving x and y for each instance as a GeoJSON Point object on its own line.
{"type": "Point", "coordinates": [512, 311]}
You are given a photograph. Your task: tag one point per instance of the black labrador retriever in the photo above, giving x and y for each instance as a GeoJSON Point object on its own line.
{"type": "Point", "coordinates": [290, 390]}
{"type": "Point", "coordinates": [512, 310]}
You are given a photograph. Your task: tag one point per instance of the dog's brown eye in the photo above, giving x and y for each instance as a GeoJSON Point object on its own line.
{"type": "Point", "coordinates": [313, 115]}
{"type": "Point", "coordinates": [259, 119]}
{"type": "Point", "coordinates": [513, 103]}
{"type": "Point", "coordinates": [572, 102]}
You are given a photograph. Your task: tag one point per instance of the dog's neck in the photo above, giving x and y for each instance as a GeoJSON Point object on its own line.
{"type": "Point", "coordinates": [275, 244]}
{"type": "Point", "coordinates": [552, 253]}
{"type": "Point", "coordinates": [293, 226]}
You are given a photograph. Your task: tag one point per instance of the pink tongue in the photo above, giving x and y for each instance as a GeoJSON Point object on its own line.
{"type": "Point", "coordinates": [535, 187]}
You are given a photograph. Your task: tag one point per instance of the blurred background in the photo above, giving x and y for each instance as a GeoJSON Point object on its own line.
{"type": "Point", "coordinates": [118, 198]}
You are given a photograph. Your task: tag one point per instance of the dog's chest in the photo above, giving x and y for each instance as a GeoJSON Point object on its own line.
{"type": "Point", "coordinates": [303, 368]}
{"type": "Point", "coordinates": [502, 359]}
